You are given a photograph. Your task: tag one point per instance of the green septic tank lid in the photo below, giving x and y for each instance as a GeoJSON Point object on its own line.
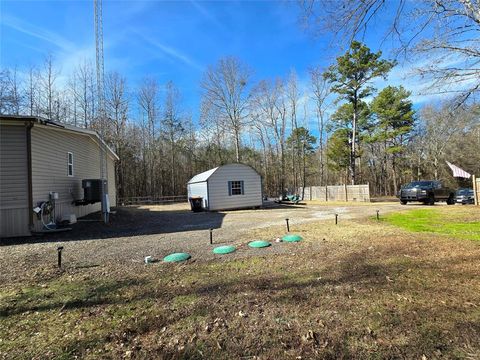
{"type": "Point", "coordinates": [292, 238]}
{"type": "Point", "coordinates": [176, 257]}
{"type": "Point", "coordinates": [259, 244]}
{"type": "Point", "coordinates": [227, 249]}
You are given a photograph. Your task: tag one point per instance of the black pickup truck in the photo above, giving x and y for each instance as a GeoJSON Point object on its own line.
{"type": "Point", "coordinates": [426, 191]}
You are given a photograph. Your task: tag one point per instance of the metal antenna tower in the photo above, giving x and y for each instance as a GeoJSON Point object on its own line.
{"type": "Point", "coordinates": [101, 103]}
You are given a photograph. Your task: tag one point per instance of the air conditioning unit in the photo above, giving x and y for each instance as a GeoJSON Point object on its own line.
{"type": "Point", "coordinates": [92, 189]}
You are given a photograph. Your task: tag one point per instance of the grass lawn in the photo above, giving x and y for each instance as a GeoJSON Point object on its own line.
{"type": "Point", "coordinates": [461, 223]}
{"type": "Point", "coordinates": [360, 289]}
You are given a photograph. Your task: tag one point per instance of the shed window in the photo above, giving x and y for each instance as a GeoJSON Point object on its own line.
{"type": "Point", "coordinates": [70, 164]}
{"type": "Point", "coordinates": [235, 188]}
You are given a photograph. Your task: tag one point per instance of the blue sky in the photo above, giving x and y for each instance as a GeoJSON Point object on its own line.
{"type": "Point", "coordinates": [169, 40]}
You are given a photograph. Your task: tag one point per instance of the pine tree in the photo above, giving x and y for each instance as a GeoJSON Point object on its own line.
{"type": "Point", "coordinates": [350, 78]}
{"type": "Point", "coordinates": [395, 120]}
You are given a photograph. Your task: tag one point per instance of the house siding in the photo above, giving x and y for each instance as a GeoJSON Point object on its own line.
{"type": "Point", "coordinates": [13, 181]}
{"type": "Point", "coordinates": [219, 192]}
{"type": "Point", "coordinates": [50, 147]}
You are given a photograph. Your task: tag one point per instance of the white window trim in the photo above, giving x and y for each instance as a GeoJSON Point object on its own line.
{"type": "Point", "coordinates": [236, 188]}
{"type": "Point", "coordinates": [69, 164]}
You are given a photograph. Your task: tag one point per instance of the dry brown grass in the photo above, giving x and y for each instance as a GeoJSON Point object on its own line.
{"type": "Point", "coordinates": [361, 289]}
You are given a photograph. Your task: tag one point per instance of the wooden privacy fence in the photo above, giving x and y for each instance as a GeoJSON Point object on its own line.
{"type": "Point", "coordinates": [337, 193]}
{"type": "Point", "coordinates": [151, 200]}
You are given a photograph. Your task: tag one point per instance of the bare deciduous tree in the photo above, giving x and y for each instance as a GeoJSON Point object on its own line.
{"type": "Point", "coordinates": [85, 92]}
{"type": "Point", "coordinates": [117, 107]}
{"type": "Point", "coordinates": [11, 95]}
{"type": "Point", "coordinates": [4, 91]}
{"type": "Point", "coordinates": [293, 95]}
{"type": "Point", "coordinates": [117, 103]}
{"type": "Point", "coordinates": [225, 87]}
{"type": "Point", "coordinates": [441, 34]}
{"type": "Point", "coordinates": [173, 130]}
{"type": "Point", "coordinates": [160, 149]}
{"type": "Point", "coordinates": [439, 128]}
{"type": "Point", "coordinates": [321, 91]}
{"type": "Point", "coordinates": [270, 104]}
{"type": "Point", "coordinates": [148, 102]}
{"type": "Point", "coordinates": [48, 78]}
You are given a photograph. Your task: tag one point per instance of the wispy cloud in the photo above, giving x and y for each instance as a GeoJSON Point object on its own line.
{"type": "Point", "coordinates": [36, 32]}
{"type": "Point", "coordinates": [171, 52]}
{"type": "Point", "coordinates": [207, 14]}
{"type": "Point", "coordinates": [66, 54]}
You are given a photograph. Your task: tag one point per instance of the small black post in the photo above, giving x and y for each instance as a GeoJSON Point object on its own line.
{"type": "Point", "coordinates": [59, 250]}
{"type": "Point", "coordinates": [336, 219]}
{"type": "Point", "coordinates": [378, 216]}
{"type": "Point", "coordinates": [211, 236]}
{"type": "Point", "coordinates": [288, 226]}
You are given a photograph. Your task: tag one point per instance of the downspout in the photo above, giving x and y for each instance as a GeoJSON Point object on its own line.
{"type": "Point", "coordinates": [29, 175]}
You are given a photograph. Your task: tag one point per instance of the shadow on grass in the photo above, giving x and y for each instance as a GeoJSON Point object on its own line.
{"type": "Point", "coordinates": [357, 269]}
{"type": "Point", "coordinates": [68, 296]}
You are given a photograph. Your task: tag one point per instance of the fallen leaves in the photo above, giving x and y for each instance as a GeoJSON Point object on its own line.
{"type": "Point", "coordinates": [309, 336]}
{"type": "Point", "coordinates": [242, 314]}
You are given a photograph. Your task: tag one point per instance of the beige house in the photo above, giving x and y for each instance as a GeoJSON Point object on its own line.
{"type": "Point", "coordinates": [37, 157]}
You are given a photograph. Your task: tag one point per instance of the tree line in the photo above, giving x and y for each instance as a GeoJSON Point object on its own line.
{"type": "Point", "coordinates": [335, 128]}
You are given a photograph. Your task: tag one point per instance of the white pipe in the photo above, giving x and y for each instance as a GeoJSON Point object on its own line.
{"type": "Point", "coordinates": [41, 214]}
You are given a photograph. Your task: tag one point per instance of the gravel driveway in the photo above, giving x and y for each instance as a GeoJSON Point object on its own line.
{"type": "Point", "coordinates": [135, 232]}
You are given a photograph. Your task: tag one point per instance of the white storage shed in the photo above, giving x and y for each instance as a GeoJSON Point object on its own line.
{"type": "Point", "coordinates": [231, 186]}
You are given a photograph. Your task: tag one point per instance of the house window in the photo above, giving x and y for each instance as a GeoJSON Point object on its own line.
{"type": "Point", "coordinates": [70, 164]}
{"type": "Point", "coordinates": [235, 188]}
